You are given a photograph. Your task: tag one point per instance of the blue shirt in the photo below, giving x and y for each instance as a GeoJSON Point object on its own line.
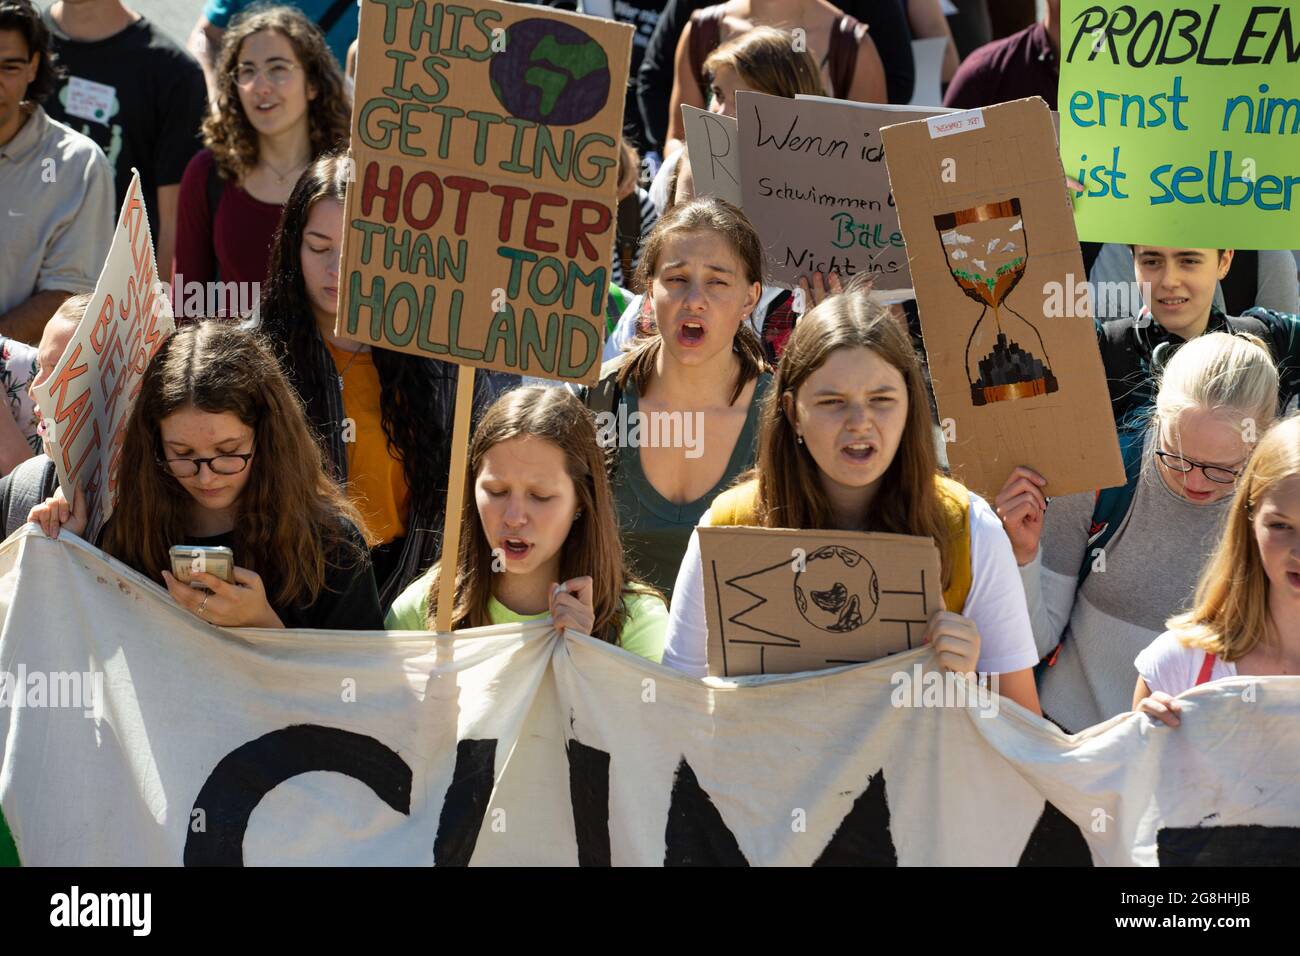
{"type": "Point", "coordinates": [220, 12]}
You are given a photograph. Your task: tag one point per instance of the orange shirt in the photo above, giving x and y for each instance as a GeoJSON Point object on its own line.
{"type": "Point", "coordinates": [376, 482]}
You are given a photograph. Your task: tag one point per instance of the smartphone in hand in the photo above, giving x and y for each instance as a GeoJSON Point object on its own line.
{"type": "Point", "coordinates": [189, 559]}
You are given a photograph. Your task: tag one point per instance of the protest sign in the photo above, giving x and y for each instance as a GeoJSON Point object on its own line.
{"type": "Point", "coordinates": [1182, 122]}
{"type": "Point", "coordinates": [815, 187]}
{"type": "Point", "coordinates": [779, 601]}
{"type": "Point", "coordinates": [480, 223]}
{"type": "Point", "coordinates": [714, 150]}
{"type": "Point", "coordinates": [1001, 291]}
{"type": "Point", "coordinates": [87, 398]}
{"type": "Point", "coordinates": [134, 734]}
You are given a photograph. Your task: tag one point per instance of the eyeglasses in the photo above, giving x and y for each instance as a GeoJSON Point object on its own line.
{"type": "Point", "coordinates": [1224, 476]}
{"type": "Point", "coordinates": [277, 74]}
{"type": "Point", "coordinates": [220, 465]}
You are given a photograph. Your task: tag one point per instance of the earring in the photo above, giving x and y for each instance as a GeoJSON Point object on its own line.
{"type": "Point", "coordinates": [799, 438]}
{"type": "Point", "coordinates": [577, 515]}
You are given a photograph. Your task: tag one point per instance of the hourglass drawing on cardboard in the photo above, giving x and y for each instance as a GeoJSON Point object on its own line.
{"type": "Point", "coordinates": [987, 250]}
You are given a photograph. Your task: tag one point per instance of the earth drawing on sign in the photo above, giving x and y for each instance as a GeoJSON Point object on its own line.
{"type": "Point", "coordinates": [837, 590]}
{"type": "Point", "coordinates": [551, 73]}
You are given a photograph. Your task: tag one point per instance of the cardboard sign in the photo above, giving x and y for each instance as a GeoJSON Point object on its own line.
{"type": "Point", "coordinates": [87, 399]}
{"type": "Point", "coordinates": [815, 187]}
{"type": "Point", "coordinates": [714, 150]}
{"type": "Point", "coordinates": [1181, 121]}
{"type": "Point", "coordinates": [779, 601]}
{"type": "Point", "coordinates": [1000, 289]}
{"type": "Point", "coordinates": [480, 222]}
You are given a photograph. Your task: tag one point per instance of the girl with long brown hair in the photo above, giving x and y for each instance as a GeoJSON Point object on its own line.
{"type": "Point", "coordinates": [1246, 616]}
{"type": "Point", "coordinates": [280, 100]}
{"type": "Point", "coordinates": [846, 444]}
{"type": "Point", "coordinates": [217, 453]}
{"type": "Point", "coordinates": [681, 409]}
{"type": "Point", "coordinates": [538, 532]}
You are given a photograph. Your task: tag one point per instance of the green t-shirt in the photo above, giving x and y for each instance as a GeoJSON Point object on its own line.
{"type": "Point", "coordinates": [645, 630]}
{"type": "Point", "coordinates": [656, 530]}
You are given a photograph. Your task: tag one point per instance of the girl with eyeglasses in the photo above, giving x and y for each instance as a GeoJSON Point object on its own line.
{"type": "Point", "coordinates": [280, 100]}
{"type": "Point", "coordinates": [1246, 616]}
{"type": "Point", "coordinates": [217, 452]}
{"type": "Point", "coordinates": [1113, 565]}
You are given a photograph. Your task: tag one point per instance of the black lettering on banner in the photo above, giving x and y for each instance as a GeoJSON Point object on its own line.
{"type": "Point", "coordinates": [589, 795]}
{"type": "Point", "coordinates": [696, 834]}
{"type": "Point", "coordinates": [1228, 846]}
{"type": "Point", "coordinates": [466, 802]}
{"type": "Point", "coordinates": [249, 772]}
{"type": "Point", "coordinates": [1056, 841]}
{"type": "Point", "coordinates": [863, 838]}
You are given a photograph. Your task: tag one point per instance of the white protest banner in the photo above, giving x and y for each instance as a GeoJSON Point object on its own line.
{"type": "Point", "coordinates": [88, 397]}
{"type": "Point", "coordinates": [132, 733]}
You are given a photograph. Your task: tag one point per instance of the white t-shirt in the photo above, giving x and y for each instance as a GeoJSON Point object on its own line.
{"type": "Point", "coordinates": [996, 603]}
{"type": "Point", "coordinates": [1170, 666]}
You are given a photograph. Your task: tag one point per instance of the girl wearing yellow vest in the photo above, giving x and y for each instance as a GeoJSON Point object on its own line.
{"type": "Point", "coordinates": [846, 444]}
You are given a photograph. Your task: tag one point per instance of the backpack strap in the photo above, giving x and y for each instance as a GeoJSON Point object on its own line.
{"type": "Point", "coordinates": [332, 16]}
{"type": "Point", "coordinates": [1207, 668]}
{"type": "Point", "coordinates": [842, 57]}
{"type": "Point", "coordinates": [1112, 504]}
{"type": "Point", "coordinates": [706, 34]}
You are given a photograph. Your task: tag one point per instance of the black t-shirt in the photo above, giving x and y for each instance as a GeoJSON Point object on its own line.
{"type": "Point", "coordinates": [140, 97]}
{"type": "Point", "coordinates": [348, 602]}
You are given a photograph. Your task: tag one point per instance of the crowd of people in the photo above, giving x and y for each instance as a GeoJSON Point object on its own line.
{"type": "Point", "coordinates": [322, 463]}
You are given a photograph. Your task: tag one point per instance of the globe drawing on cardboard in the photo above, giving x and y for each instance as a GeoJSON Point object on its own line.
{"type": "Point", "coordinates": [550, 72]}
{"type": "Point", "coordinates": [987, 249]}
{"type": "Point", "coordinates": [837, 590]}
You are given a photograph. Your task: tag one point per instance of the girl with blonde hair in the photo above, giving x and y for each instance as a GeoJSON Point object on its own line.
{"type": "Point", "coordinates": [1104, 581]}
{"type": "Point", "coordinates": [1246, 616]}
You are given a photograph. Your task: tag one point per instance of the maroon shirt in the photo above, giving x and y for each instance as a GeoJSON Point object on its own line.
{"type": "Point", "coordinates": [238, 243]}
{"type": "Point", "coordinates": [1021, 65]}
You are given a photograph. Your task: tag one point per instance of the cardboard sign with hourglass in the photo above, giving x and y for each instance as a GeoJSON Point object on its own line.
{"type": "Point", "coordinates": [991, 244]}
{"type": "Point", "coordinates": [986, 248]}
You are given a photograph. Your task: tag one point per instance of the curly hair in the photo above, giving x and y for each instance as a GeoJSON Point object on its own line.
{"type": "Point", "coordinates": [23, 18]}
{"type": "Point", "coordinates": [293, 520]}
{"type": "Point", "coordinates": [409, 400]}
{"type": "Point", "coordinates": [227, 131]}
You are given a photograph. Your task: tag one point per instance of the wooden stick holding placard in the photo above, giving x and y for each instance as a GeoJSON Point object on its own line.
{"type": "Point", "coordinates": [455, 499]}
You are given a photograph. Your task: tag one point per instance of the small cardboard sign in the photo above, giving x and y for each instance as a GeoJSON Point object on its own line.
{"type": "Point", "coordinates": [88, 397]}
{"type": "Point", "coordinates": [1181, 121]}
{"type": "Point", "coordinates": [779, 601]}
{"type": "Point", "coordinates": [481, 222]}
{"type": "Point", "coordinates": [1001, 291]}
{"type": "Point", "coordinates": [816, 188]}
{"type": "Point", "coordinates": [714, 150]}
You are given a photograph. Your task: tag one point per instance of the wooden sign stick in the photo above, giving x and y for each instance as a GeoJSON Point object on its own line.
{"type": "Point", "coordinates": [455, 499]}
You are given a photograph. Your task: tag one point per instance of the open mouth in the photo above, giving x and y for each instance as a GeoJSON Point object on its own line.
{"type": "Point", "coordinates": [859, 452]}
{"type": "Point", "coordinates": [1173, 302]}
{"type": "Point", "coordinates": [1293, 577]}
{"type": "Point", "coordinates": [266, 107]}
{"type": "Point", "coordinates": [515, 548]}
{"type": "Point", "coordinates": [691, 333]}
